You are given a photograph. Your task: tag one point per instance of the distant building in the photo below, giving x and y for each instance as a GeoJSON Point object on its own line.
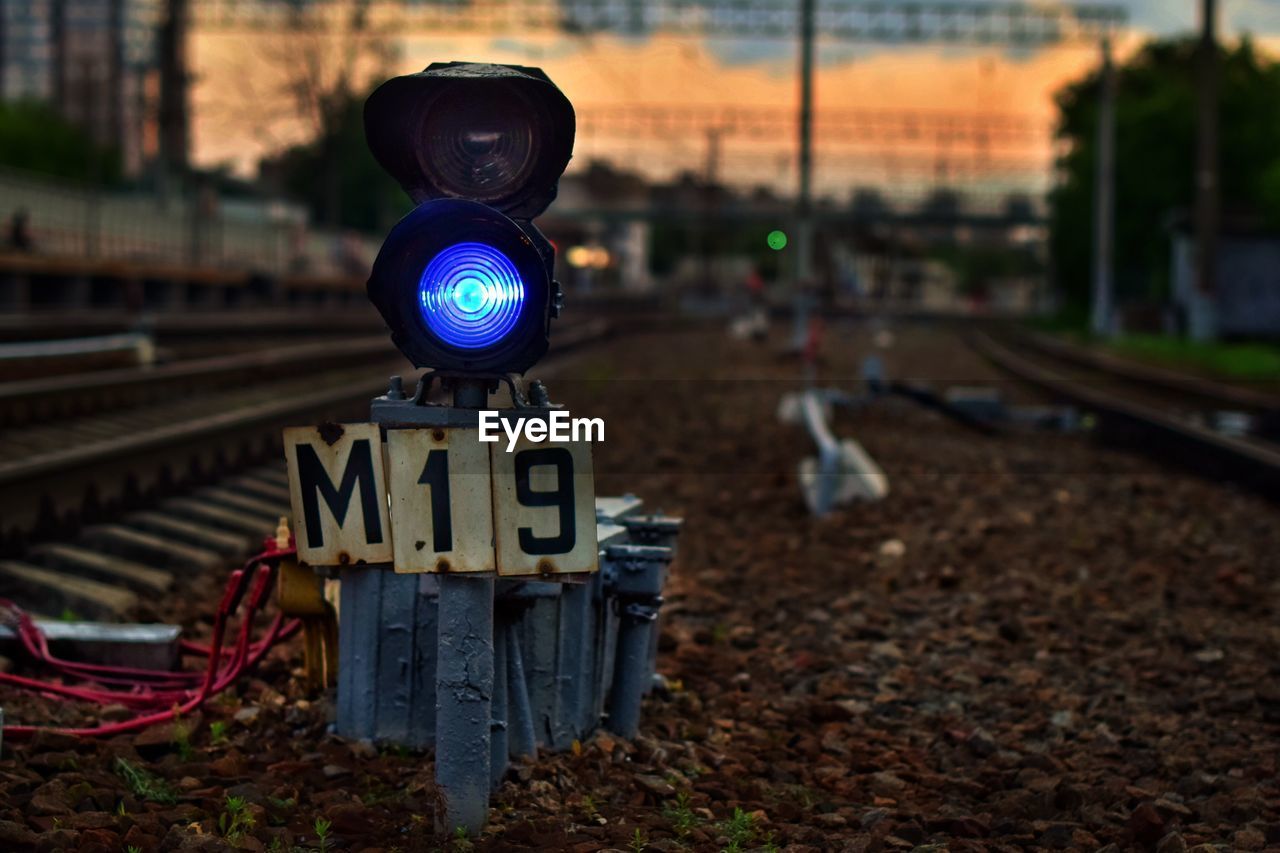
{"type": "Point", "coordinates": [1245, 302]}
{"type": "Point", "coordinates": [96, 61]}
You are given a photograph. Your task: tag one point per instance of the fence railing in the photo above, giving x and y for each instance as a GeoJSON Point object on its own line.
{"type": "Point", "coordinates": [65, 220]}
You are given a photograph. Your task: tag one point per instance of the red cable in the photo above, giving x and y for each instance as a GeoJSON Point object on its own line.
{"type": "Point", "coordinates": [244, 655]}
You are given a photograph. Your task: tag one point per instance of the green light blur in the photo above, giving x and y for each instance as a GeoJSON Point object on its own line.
{"type": "Point", "coordinates": [777, 240]}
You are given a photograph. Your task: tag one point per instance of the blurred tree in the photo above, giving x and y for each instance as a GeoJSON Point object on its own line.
{"type": "Point", "coordinates": [296, 91]}
{"type": "Point", "coordinates": [1155, 159]}
{"type": "Point", "coordinates": [34, 137]}
{"type": "Point", "coordinates": [370, 199]}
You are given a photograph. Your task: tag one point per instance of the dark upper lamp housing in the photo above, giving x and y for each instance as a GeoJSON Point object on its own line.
{"type": "Point", "coordinates": [464, 281]}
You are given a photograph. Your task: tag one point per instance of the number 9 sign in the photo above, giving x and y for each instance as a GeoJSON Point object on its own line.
{"type": "Point", "coordinates": [544, 515]}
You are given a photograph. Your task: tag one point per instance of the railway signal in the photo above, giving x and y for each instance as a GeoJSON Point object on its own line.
{"type": "Point", "coordinates": [444, 537]}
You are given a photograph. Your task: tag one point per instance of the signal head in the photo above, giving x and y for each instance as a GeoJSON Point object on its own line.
{"type": "Point", "coordinates": [500, 134]}
{"type": "Point", "coordinates": [464, 288]}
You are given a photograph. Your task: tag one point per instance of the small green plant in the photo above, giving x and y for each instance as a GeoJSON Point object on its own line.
{"type": "Point", "coordinates": [321, 828]}
{"type": "Point", "coordinates": [144, 784]}
{"type": "Point", "coordinates": [460, 840]}
{"type": "Point", "coordinates": [68, 615]}
{"type": "Point", "coordinates": [236, 820]}
{"type": "Point", "coordinates": [121, 811]}
{"type": "Point", "coordinates": [218, 732]}
{"type": "Point", "coordinates": [181, 740]}
{"type": "Point", "coordinates": [638, 842]}
{"type": "Point", "coordinates": [133, 848]}
{"type": "Point", "coordinates": [276, 845]}
{"type": "Point", "coordinates": [589, 805]}
{"type": "Point", "coordinates": [280, 810]}
{"type": "Point", "coordinates": [396, 750]}
{"type": "Point", "coordinates": [740, 829]}
{"type": "Point", "coordinates": [681, 814]}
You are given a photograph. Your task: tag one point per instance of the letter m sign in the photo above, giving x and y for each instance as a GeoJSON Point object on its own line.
{"type": "Point", "coordinates": [339, 495]}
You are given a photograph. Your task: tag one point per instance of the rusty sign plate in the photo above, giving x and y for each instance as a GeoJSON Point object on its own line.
{"type": "Point", "coordinates": [339, 495]}
{"type": "Point", "coordinates": [441, 500]}
{"type": "Point", "coordinates": [544, 511]}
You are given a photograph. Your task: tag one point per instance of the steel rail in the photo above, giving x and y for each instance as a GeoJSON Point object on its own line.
{"type": "Point", "coordinates": [1195, 388]}
{"type": "Point", "coordinates": [1250, 463]}
{"type": "Point", "coordinates": [50, 493]}
{"type": "Point", "coordinates": [32, 400]}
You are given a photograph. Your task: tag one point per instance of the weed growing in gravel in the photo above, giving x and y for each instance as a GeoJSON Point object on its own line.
{"type": "Point", "coordinates": [133, 848]}
{"type": "Point", "coordinates": [143, 784]}
{"type": "Point", "coordinates": [740, 829]}
{"type": "Point", "coordinates": [218, 733]}
{"type": "Point", "coordinates": [236, 820]}
{"type": "Point", "coordinates": [681, 814]}
{"type": "Point", "coordinates": [461, 842]}
{"type": "Point", "coordinates": [638, 842]}
{"type": "Point", "coordinates": [396, 750]}
{"type": "Point", "coordinates": [321, 828]}
{"type": "Point", "coordinates": [181, 740]}
{"type": "Point", "coordinates": [280, 811]}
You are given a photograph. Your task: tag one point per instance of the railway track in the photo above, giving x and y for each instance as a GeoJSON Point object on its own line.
{"type": "Point", "coordinates": [1190, 394]}
{"type": "Point", "coordinates": [36, 403]}
{"type": "Point", "coordinates": [1160, 412]}
{"type": "Point", "coordinates": [104, 509]}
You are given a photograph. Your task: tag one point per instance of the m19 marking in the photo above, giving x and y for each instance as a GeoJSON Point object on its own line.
{"type": "Point", "coordinates": [439, 500]}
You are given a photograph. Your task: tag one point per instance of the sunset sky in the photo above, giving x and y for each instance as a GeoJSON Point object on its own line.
{"type": "Point", "coordinates": [240, 112]}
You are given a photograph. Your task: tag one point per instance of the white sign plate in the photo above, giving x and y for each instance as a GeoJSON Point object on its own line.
{"type": "Point", "coordinates": [544, 508]}
{"type": "Point", "coordinates": [339, 494]}
{"type": "Point", "coordinates": [441, 500]}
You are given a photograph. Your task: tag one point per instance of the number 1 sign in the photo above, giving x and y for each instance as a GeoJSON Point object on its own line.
{"type": "Point", "coordinates": [456, 504]}
{"type": "Point", "coordinates": [441, 501]}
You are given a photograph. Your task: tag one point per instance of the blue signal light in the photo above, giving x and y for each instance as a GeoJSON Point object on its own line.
{"type": "Point", "coordinates": [471, 296]}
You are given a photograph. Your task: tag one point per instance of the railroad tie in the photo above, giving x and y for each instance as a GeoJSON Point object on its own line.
{"type": "Point", "coordinates": [250, 525]}
{"type": "Point", "coordinates": [235, 500]}
{"type": "Point", "coordinates": [202, 536]}
{"type": "Point", "coordinates": [161, 551]}
{"type": "Point", "coordinates": [83, 596]}
{"type": "Point", "coordinates": [104, 567]}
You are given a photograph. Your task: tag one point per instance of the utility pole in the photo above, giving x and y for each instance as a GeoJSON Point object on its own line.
{"type": "Point", "coordinates": [1104, 199]}
{"type": "Point", "coordinates": [804, 212]}
{"type": "Point", "coordinates": [1207, 190]}
{"type": "Point", "coordinates": [172, 118]}
{"type": "Point", "coordinates": [710, 192]}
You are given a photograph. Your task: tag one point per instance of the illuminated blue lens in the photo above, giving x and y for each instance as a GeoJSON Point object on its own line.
{"type": "Point", "coordinates": [471, 295]}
